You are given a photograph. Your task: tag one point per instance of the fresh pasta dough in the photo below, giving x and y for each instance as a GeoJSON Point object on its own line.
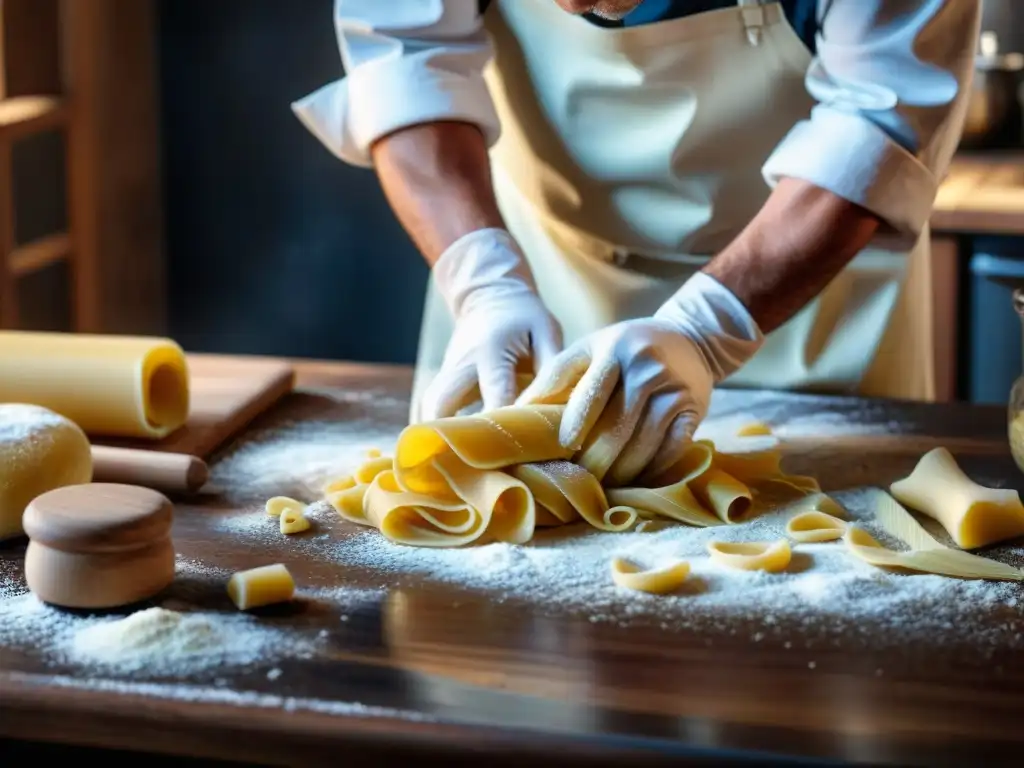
{"type": "Point", "coordinates": [656, 581]}
{"type": "Point", "coordinates": [926, 554]}
{"type": "Point", "coordinates": [944, 562]}
{"type": "Point", "coordinates": [499, 475]}
{"type": "Point", "coordinates": [752, 556]}
{"type": "Point", "coordinates": [817, 518]}
{"type": "Point", "coordinates": [754, 429]}
{"type": "Point", "coordinates": [122, 386]}
{"type": "Point", "coordinates": [293, 521]}
{"type": "Point", "coordinates": [39, 451]}
{"type": "Point", "coordinates": [815, 527]}
{"type": "Point", "coordinates": [974, 516]}
{"type": "Point", "coordinates": [257, 587]}
{"type": "Point", "coordinates": [279, 504]}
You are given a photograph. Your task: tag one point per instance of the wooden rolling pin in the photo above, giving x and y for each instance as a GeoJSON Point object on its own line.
{"type": "Point", "coordinates": [158, 470]}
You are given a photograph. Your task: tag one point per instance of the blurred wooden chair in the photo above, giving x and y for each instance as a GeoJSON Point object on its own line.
{"type": "Point", "coordinates": [88, 70]}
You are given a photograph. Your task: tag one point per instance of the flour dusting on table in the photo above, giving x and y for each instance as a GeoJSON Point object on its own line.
{"type": "Point", "coordinates": [827, 597]}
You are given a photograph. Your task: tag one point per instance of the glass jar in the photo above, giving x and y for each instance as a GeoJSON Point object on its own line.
{"type": "Point", "coordinates": [1016, 408]}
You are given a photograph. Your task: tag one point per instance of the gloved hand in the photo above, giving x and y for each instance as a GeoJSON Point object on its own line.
{"type": "Point", "coordinates": [500, 322]}
{"type": "Point", "coordinates": [640, 388]}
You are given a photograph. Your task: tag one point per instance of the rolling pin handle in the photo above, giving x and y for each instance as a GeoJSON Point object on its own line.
{"type": "Point", "coordinates": [160, 471]}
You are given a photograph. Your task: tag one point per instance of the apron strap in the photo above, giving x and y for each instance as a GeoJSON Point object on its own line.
{"type": "Point", "coordinates": [753, 19]}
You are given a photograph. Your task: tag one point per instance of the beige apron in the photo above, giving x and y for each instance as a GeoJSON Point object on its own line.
{"type": "Point", "coordinates": [630, 156]}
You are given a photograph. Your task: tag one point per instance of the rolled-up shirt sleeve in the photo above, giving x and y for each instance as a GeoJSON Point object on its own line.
{"type": "Point", "coordinates": [406, 62]}
{"type": "Point", "coordinates": [891, 80]}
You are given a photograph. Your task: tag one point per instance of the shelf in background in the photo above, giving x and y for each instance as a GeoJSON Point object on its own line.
{"type": "Point", "coordinates": [39, 254]}
{"type": "Point", "coordinates": [982, 194]}
{"type": "Point", "coordinates": [23, 116]}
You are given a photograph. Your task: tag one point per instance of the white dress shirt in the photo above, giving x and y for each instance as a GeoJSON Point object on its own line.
{"type": "Point", "coordinates": [890, 78]}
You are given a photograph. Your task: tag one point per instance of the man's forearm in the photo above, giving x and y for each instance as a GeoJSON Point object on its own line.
{"type": "Point", "coordinates": [798, 242]}
{"type": "Point", "coordinates": [437, 178]}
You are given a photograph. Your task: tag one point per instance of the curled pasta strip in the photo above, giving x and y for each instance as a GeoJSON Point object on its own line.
{"type": "Point", "coordinates": [814, 526]}
{"type": "Point", "coordinates": [568, 492]}
{"type": "Point", "coordinates": [944, 562]}
{"type": "Point", "coordinates": [818, 517]}
{"type": "Point", "coordinates": [276, 506]}
{"type": "Point", "coordinates": [656, 581]}
{"type": "Point", "coordinates": [499, 475]}
{"type": "Point", "coordinates": [752, 556]}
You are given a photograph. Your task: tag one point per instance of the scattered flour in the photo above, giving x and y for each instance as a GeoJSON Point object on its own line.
{"type": "Point", "coordinates": [296, 457]}
{"type": "Point", "coordinates": [176, 637]}
{"type": "Point", "coordinates": [216, 695]}
{"type": "Point", "coordinates": [159, 640]}
{"type": "Point", "coordinates": [565, 572]}
{"type": "Point", "coordinates": [20, 422]}
{"type": "Point", "coordinates": [826, 595]}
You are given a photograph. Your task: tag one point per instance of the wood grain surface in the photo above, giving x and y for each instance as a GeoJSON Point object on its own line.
{"type": "Point", "coordinates": [463, 677]}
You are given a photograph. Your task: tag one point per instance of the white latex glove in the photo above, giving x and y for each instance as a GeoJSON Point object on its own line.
{"type": "Point", "coordinates": [500, 322]}
{"type": "Point", "coordinates": [640, 388]}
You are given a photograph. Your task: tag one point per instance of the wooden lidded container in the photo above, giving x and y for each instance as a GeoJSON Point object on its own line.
{"type": "Point", "coordinates": [99, 545]}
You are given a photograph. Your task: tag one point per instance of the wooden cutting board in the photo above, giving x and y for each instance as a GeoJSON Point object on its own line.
{"type": "Point", "coordinates": [226, 394]}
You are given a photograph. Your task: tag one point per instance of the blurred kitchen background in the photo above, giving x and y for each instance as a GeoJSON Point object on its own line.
{"type": "Point", "coordinates": [154, 180]}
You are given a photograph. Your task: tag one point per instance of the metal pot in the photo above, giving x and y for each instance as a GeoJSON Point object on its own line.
{"type": "Point", "coordinates": [995, 117]}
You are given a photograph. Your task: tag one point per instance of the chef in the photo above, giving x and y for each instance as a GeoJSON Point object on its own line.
{"type": "Point", "coordinates": [640, 200]}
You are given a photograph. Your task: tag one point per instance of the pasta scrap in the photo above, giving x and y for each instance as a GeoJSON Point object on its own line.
{"type": "Point", "coordinates": [814, 527]}
{"type": "Point", "coordinates": [973, 515]}
{"type": "Point", "coordinates": [499, 475]}
{"type": "Point", "coordinates": [943, 562]}
{"type": "Point", "coordinates": [754, 429]}
{"type": "Point", "coordinates": [655, 581]}
{"type": "Point", "coordinates": [293, 521]}
{"type": "Point", "coordinates": [752, 556]}
{"type": "Point", "coordinates": [276, 506]}
{"type": "Point", "coordinates": [926, 554]}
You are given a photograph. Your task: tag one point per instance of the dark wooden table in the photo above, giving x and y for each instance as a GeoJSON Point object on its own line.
{"type": "Point", "coordinates": [506, 684]}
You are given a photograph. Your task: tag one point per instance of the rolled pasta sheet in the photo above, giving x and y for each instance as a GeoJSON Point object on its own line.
{"type": "Point", "coordinates": [943, 562]}
{"type": "Point", "coordinates": [117, 386]}
{"type": "Point", "coordinates": [372, 468]}
{"type": "Point", "coordinates": [499, 475]}
{"type": "Point", "coordinates": [973, 515]}
{"type": "Point", "coordinates": [676, 500]}
{"type": "Point", "coordinates": [569, 492]}
{"type": "Point", "coordinates": [414, 519]}
{"type": "Point", "coordinates": [349, 503]}
{"type": "Point", "coordinates": [752, 556]}
{"type": "Point", "coordinates": [342, 483]}
{"type": "Point", "coordinates": [657, 581]}
{"type": "Point", "coordinates": [495, 440]}
{"type": "Point", "coordinates": [760, 467]}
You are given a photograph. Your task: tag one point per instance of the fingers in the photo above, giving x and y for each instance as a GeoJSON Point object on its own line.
{"type": "Point", "coordinates": [497, 373]}
{"type": "Point", "coordinates": [679, 434]}
{"type": "Point", "coordinates": [449, 392]}
{"type": "Point", "coordinates": [636, 455]}
{"type": "Point", "coordinates": [615, 427]}
{"type": "Point", "coordinates": [588, 401]}
{"type": "Point", "coordinates": [557, 377]}
{"type": "Point", "coordinates": [547, 343]}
